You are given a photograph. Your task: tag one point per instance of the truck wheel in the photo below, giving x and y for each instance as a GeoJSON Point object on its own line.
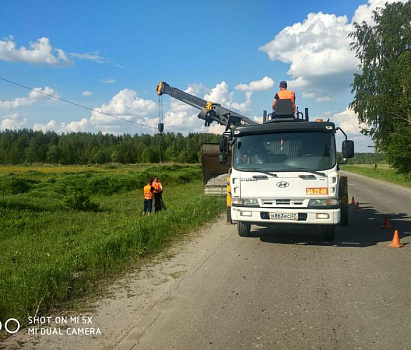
{"type": "Point", "coordinates": [344, 216]}
{"type": "Point", "coordinates": [243, 229]}
{"type": "Point", "coordinates": [328, 232]}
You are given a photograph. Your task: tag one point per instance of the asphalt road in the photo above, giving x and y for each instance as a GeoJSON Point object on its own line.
{"type": "Point", "coordinates": [286, 289]}
{"type": "Point", "coordinates": [281, 288]}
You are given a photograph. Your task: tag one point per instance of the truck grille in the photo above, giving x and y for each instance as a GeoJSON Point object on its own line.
{"type": "Point", "coordinates": [282, 202]}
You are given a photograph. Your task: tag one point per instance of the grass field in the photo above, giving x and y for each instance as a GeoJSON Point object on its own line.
{"type": "Point", "coordinates": [64, 228]}
{"type": "Point", "coordinates": [383, 172]}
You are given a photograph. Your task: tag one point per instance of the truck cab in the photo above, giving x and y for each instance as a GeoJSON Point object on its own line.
{"type": "Point", "coordinates": [285, 172]}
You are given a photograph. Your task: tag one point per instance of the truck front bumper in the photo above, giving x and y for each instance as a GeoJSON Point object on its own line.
{"type": "Point", "coordinates": [270, 216]}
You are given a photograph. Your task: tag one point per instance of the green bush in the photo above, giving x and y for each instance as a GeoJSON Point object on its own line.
{"type": "Point", "coordinates": [14, 185]}
{"type": "Point", "coordinates": [78, 200]}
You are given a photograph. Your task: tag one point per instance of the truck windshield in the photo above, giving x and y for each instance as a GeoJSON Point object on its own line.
{"type": "Point", "coordinates": [305, 151]}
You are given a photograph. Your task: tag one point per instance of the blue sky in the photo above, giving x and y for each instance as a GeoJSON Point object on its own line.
{"type": "Point", "coordinates": [110, 55]}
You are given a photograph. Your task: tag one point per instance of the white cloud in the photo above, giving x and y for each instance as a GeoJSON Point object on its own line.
{"type": "Point", "coordinates": [214, 129]}
{"type": "Point", "coordinates": [42, 52]}
{"type": "Point", "coordinates": [87, 93]}
{"type": "Point", "coordinates": [74, 126]}
{"type": "Point", "coordinates": [324, 99]}
{"type": "Point", "coordinates": [348, 121]}
{"type": "Point", "coordinates": [33, 96]}
{"type": "Point", "coordinates": [13, 122]}
{"type": "Point", "coordinates": [318, 51]}
{"type": "Point", "coordinates": [256, 85]}
{"type": "Point", "coordinates": [177, 119]}
{"type": "Point", "coordinates": [108, 81]}
{"type": "Point", "coordinates": [50, 126]}
{"type": "Point", "coordinates": [221, 94]}
{"type": "Point", "coordinates": [196, 89]}
{"type": "Point", "coordinates": [39, 52]}
{"type": "Point", "coordinates": [81, 125]}
{"type": "Point", "coordinates": [126, 105]}
{"type": "Point", "coordinates": [112, 117]}
{"type": "Point", "coordinates": [90, 56]}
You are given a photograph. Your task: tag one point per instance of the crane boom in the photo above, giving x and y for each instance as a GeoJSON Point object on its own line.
{"type": "Point", "coordinates": [209, 111]}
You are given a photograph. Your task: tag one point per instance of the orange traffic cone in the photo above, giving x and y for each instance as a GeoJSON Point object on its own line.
{"type": "Point", "coordinates": [386, 222]}
{"type": "Point", "coordinates": [357, 207]}
{"type": "Point", "coordinates": [396, 241]}
{"type": "Point", "coordinates": [352, 201]}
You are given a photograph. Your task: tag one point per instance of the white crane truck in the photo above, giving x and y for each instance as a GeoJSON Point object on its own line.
{"type": "Point", "coordinates": [284, 170]}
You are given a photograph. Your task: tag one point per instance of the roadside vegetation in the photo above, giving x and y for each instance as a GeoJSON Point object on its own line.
{"type": "Point", "coordinates": [382, 172]}
{"type": "Point", "coordinates": [65, 228]}
{"type": "Point", "coordinates": [382, 88]}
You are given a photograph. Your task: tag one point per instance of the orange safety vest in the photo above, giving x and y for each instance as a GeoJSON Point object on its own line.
{"type": "Point", "coordinates": [157, 186]}
{"type": "Point", "coordinates": [147, 192]}
{"type": "Point", "coordinates": [287, 94]}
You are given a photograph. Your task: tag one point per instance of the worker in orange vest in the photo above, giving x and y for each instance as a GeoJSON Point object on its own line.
{"type": "Point", "coordinates": [148, 198]}
{"type": "Point", "coordinates": [158, 192]}
{"type": "Point", "coordinates": [284, 94]}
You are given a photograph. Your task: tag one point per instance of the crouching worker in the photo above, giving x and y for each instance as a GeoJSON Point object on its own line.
{"type": "Point", "coordinates": [148, 198]}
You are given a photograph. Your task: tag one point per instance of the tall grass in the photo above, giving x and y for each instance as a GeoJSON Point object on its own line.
{"type": "Point", "coordinates": [51, 253]}
{"type": "Point", "coordinates": [383, 172]}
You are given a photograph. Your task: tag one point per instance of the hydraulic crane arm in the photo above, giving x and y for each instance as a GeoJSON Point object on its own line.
{"type": "Point", "coordinates": [209, 111]}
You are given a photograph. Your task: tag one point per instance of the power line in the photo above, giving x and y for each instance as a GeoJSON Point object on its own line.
{"type": "Point", "coordinates": [75, 104]}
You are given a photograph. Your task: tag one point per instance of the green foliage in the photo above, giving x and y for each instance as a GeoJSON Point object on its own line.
{"type": "Point", "coordinates": [77, 199]}
{"type": "Point", "coordinates": [383, 89]}
{"type": "Point", "coordinates": [51, 255]}
{"type": "Point", "coordinates": [398, 150]}
{"type": "Point", "coordinates": [28, 146]}
{"type": "Point", "coordinates": [11, 184]}
{"type": "Point", "coordinates": [108, 184]}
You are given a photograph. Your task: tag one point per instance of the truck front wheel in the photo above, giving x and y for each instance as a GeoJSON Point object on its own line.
{"type": "Point", "coordinates": [243, 229]}
{"type": "Point", "coordinates": [344, 216]}
{"type": "Point", "coordinates": [328, 232]}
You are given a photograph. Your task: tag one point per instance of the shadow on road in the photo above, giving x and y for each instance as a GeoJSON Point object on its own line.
{"type": "Point", "coordinates": [364, 229]}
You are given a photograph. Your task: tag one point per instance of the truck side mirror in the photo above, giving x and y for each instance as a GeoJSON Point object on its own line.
{"type": "Point", "coordinates": [347, 149]}
{"type": "Point", "coordinates": [223, 145]}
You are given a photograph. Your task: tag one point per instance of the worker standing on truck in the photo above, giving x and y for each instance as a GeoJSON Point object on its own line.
{"type": "Point", "coordinates": [284, 94]}
{"type": "Point", "coordinates": [158, 195]}
{"type": "Point", "coordinates": [148, 198]}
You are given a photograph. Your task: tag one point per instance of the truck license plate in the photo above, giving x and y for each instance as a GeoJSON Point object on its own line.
{"type": "Point", "coordinates": [283, 216]}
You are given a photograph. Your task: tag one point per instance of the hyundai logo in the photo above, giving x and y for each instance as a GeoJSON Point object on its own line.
{"type": "Point", "coordinates": [283, 184]}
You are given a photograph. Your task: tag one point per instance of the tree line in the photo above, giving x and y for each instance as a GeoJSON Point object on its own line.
{"type": "Point", "coordinates": [28, 146]}
{"type": "Point", "coordinates": [382, 89]}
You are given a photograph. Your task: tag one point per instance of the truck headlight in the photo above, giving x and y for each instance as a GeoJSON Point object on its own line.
{"type": "Point", "coordinates": [247, 202]}
{"type": "Point", "coordinates": [327, 202]}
